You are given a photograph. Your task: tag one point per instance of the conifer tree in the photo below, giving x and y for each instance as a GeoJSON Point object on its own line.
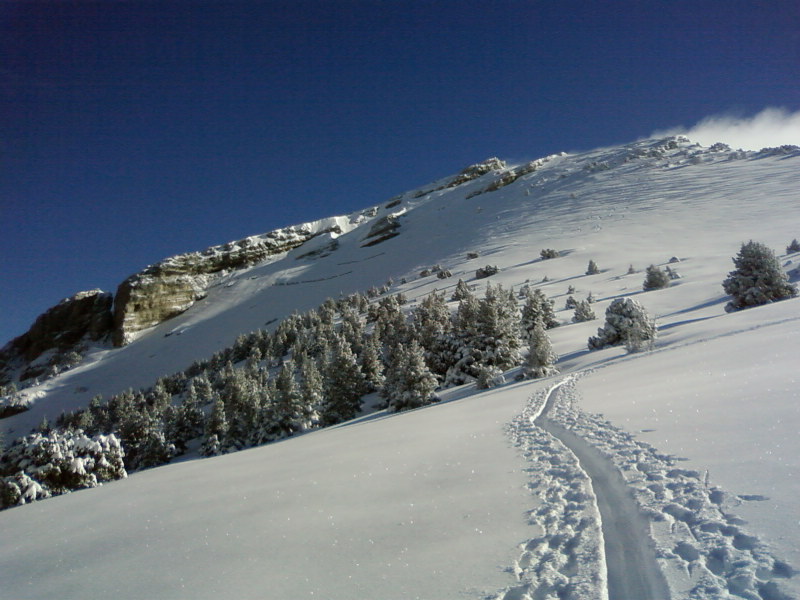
{"type": "Point", "coordinates": [655, 279]}
{"type": "Point", "coordinates": [409, 382]}
{"type": "Point", "coordinates": [498, 328]}
{"type": "Point", "coordinates": [541, 357]}
{"type": "Point", "coordinates": [292, 414]}
{"type": "Point", "coordinates": [758, 278]}
{"type": "Point", "coordinates": [626, 321]}
{"type": "Point", "coordinates": [461, 291]}
{"type": "Point", "coordinates": [372, 363]}
{"type": "Point", "coordinates": [539, 308]}
{"type": "Point", "coordinates": [592, 269]}
{"type": "Point", "coordinates": [216, 430]}
{"type": "Point", "coordinates": [583, 312]}
{"type": "Point", "coordinates": [311, 388]}
{"type": "Point", "coordinates": [344, 384]}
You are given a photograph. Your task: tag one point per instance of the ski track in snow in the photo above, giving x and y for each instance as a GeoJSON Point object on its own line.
{"type": "Point", "coordinates": [598, 487]}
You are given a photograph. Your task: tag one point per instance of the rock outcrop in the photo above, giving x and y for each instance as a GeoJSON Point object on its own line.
{"type": "Point", "coordinates": [170, 287]}
{"type": "Point", "coordinates": [84, 315]}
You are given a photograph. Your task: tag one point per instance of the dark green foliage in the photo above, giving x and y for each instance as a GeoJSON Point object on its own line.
{"type": "Point", "coordinates": [344, 384]}
{"type": "Point", "coordinates": [626, 322]}
{"type": "Point", "coordinates": [583, 312]}
{"type": "Point", "coordinates": [409, 382]}
{"type": "Point", "coordinates": [758, 278]}
{"type": "Point", "coordinates": [541, 357]}
{"type": "Point", "coordinates": [537, 308]}
{"type": "Point", "coordinates": [655, 279]}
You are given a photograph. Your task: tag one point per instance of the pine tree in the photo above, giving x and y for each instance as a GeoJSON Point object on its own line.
{"type": "Point", "coordinates": [344, 384]}
{"type": "Point", "coordinates": [461, 291]}
{"type": "Point", "coordinates": [216, 430]}
{"type": "Point", "coordinates": [655, 279]}
{"type": "Point", "coordinates": [409, 382]}
{"type": "Point", "coordinates": [539, 308]}
{"type": "Point", "coordinates": [372, 363]}
{"type": "Point", "coordinates": [583, 312]}
{"type": "Point", "coordinates": [541, 357]}
{"type": "Point", "coordinates": [793, 247]}
{"type": "Point", "coordinates": [626, 320]}
{"type": "Point", "coordinates": [592, 269]}
{"type": "Point", "coordinates": [498, 328]}
{"type": "Point", "coordinates": [311, 389]}
{"type": "Point", "coordinates": [758, 278]}
{"type": "Point", "coordinates": [292, 414]}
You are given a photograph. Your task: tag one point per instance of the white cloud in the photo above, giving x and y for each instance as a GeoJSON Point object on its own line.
{"type": "Point", "coordinates": [771, 127]}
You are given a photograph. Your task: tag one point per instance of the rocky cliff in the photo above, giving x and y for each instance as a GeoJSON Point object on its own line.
{"type": "Point", "coordinates": [171, 286]}
{"type": "Point", "coordinates": [84, 316]}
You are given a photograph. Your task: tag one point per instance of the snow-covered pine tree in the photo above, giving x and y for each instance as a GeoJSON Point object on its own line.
{"type": "Point", "coordinates": [461, 291]}
{"type": "Point", "coordinates": [372, 363]}
{"type": "Point", "coordinates": [216, 431]}
{"type": "Point", "coordinates": [541, 357]}
{"type": "Point", "coordinates": [432, 326]}
{"type": "Point", "coordinates": [592, 269]}
{"type": "Point", "coordinates": [758, 278]}
{"type": "Point", "coordinates": [498, 329]}
{"type": "Point", "coordinates": [583, 312]}
{"type": "Point", "coordinates": [626, 320]}
{"type": "Point", "coordinates": [242, 403]}
{"type": "Point", "coordinates": [537, 307]}
{"type": "Point", "coordinates": [655, 279]}
{"type": "Point", "coordinates": [311, 388]}
{"type": "Point", "coordinates": [793, 247]}
{"type": "Point", "coordinates": [344, 384]}
{"type": "Point", "coordinates": [409, 382]}
{"type": "Point", "coordinates": [291, 413]}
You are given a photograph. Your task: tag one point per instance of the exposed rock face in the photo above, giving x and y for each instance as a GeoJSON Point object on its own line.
{"type": "Point", "coordinates": [384, 229]}
{"type": "Point", "coordinates": [170, 287]}
{"type": "Point", "coordinates": [86, 314]}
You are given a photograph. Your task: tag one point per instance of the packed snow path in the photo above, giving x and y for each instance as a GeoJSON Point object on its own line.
{"type": "Point", "coordinates": [616, 518]}
{"type": "Point", "coordinates": [632, 571]}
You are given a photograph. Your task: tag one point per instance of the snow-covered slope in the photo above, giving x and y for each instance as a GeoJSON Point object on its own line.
{"type": "Point", "coordinates": [432, 504]}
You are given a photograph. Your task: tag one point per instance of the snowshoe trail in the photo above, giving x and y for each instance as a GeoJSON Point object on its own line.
{"type": "Point", "coordinates": [618, 520]}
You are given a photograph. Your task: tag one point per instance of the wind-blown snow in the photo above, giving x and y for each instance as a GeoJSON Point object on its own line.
{"type": "Point", "coordinates": [439, 503]}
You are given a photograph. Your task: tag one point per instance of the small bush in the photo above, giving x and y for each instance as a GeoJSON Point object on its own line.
{"type": "Point", "coordinates": [656, 279]}
{"type": "Point", "coordinates": [486, 271]}
{"type": "Point", "coordinates": [547, 253]}
{"type": "Point", "coordinates": [626, 320]}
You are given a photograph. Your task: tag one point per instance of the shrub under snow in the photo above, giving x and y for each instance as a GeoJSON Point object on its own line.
{"type": "Point", "coordinates": [627, 322]}
{"type": "Point", "coordinates": [40, 465]}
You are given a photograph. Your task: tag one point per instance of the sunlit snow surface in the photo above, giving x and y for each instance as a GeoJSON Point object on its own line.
{"type": "Point", "coordinates": [434, 503]}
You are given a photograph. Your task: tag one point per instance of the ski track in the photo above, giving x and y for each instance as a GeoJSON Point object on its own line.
{"type": "Point", "coordinates": [618, 520]}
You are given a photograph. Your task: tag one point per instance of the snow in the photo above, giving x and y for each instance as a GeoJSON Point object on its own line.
{"type": "Point", "coordinates": [289, 521]}
{"type": "Point", "coordinates": [462, 499]}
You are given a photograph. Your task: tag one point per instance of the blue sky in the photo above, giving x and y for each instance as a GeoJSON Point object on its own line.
{"type": "Point", "coordinates": [133, 131]}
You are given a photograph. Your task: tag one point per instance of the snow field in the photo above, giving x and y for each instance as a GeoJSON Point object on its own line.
{"type": "Point", "coordinates": [425, 504]}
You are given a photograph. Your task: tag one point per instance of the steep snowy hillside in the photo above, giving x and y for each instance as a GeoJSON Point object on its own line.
{"type": "Point", "coordinates": [502, 493]}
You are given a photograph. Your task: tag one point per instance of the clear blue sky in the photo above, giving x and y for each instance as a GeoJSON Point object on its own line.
{"type": "Point", "coordinates": [133, 131]}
